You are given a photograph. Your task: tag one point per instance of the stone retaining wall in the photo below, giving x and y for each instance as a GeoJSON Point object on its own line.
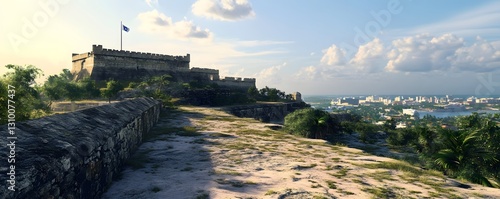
{"type": "Point", "coordinates": [74, 155]}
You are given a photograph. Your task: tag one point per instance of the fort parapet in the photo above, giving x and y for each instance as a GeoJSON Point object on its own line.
{"type": "Point", "coordinates": [102, 64]}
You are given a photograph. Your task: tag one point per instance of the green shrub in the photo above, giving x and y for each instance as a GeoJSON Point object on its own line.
{"type": "Point", "coordinates": [310, 123]}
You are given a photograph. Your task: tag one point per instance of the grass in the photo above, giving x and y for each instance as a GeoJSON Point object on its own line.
{"type": "Point", "coordinates": [381, 175]}
{"type": "Point", "coordinates": [306, 166]}
{"type": "Point", "coordinates": [271, 192]}
{"type": "Point", "coordinates": [381, 192]}
{"type": "Point", "coordinates": [221, 118]}
{"type": "Point", "coordinates": [227, 172]}
{"type": "Point", "coordinates": [342, 172]}
{"type": "Point", "coordinates": [261, 133]}
{"type": "Point", "coordinates": [239, 146]}
{"type": "Point", "coordinates": [342, 191]}
{"type": "Point", "coordinates": [401, 166]}
{"type": "Point", "coordinates": [331, 184]}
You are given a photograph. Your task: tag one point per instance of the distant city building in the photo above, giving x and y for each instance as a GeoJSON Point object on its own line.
{"type": "Point", "coordinates": [411, 112]}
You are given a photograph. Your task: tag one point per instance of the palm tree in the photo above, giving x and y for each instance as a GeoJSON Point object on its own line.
{"type": "Point", "coordinates": [463, 156]}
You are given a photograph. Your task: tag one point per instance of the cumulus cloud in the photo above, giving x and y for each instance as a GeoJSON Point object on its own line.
{"type": "Point", "coordinates": [270, 74]}
{"type": "Point", "coordinates": [419, 53]}
{"type": "Point", "coordinates": [482, 56]}
{"type": "Point", "coordinates": [369, 57]}
{"type": "Point", "coordinates": [423, 53]}
{"type": "Point", "coordinates": [224, 10]}
{"type": "Point", "coordinates": [308, 72]}
{"type": "Point", "coordinates": [157, 22]}
{"type": "Point", "coordinates": [333, 56]}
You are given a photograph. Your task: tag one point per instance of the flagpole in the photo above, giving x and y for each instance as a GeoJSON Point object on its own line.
{"type": "Point", "coordinates": [121, 32]}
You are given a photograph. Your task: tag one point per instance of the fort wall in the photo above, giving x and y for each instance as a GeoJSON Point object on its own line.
{"type": "Point", "coordinates": [76, 155]}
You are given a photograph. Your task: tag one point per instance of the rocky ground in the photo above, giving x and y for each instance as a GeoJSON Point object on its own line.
{"type": "Point", "coordinates": [205, 153]}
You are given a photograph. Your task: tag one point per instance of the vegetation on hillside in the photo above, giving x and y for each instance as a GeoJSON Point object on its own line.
{"type": "Point", "coordinates": [311, 123]}
{"type": "Point", "coordinates": [34, 100]}
{"type": "Point", "coordinates": [470, 152]}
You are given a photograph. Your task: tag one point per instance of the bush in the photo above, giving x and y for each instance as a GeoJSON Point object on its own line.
{"type": "Point", "coordinates": [310, 123]}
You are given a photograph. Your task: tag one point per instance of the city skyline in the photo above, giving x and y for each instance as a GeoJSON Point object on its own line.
{"type": "Point", "coordinates": [324, 47]}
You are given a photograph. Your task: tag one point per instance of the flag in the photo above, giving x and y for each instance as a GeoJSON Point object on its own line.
{"type": "Point", "coordinates": [125, 28]}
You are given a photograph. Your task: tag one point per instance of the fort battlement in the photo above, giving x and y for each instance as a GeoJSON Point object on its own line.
{"type": "Point", "coordinates": [99, 50]}
{"type": "Point", "coordinates": [204, 70]}
{"type": "Point", "coordinates": [102, 64]}
{"type": "Point", "coordinates": [238, 79]}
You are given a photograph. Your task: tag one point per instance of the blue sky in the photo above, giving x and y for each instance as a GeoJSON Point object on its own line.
{"type": "Point", "coordinates": [314, 47]}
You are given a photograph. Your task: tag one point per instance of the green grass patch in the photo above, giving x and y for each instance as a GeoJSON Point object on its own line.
{"type": "Point", "coordinates": [271, 192]}
{"type": "Point", "coordinates": [381, 175]}
{"type": "Point", "coordinates": [227, 172]}
{"type": "Point", "coordinates": [401, 166]}
{"type": "Point", "coordinates": [261, 133]}
{"type": "Point", "coordinates": [221, 118]}
{"type": "Point", "coordinates": [239, 146]}
{"type": "Point", "coordinates": [306, 166]}
{"type": "Point", "coordinates": [342, 191]}
{"type": "Point", "coordinates": [331, 184]}
{"type": "Point", "coordinates": [342, 172]}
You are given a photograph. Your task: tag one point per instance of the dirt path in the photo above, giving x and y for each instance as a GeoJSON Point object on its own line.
{"type": "Point", "coordinates": [204, 153]}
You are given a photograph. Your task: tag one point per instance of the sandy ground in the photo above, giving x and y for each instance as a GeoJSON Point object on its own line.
{"type": "Point", "coordinates": [230, 157]}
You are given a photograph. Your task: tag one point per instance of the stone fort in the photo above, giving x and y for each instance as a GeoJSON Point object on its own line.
{"type": "Point", "coordinates": [103, 64]}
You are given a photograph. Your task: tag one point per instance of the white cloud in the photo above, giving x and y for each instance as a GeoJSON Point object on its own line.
{"type": "Point", "coordinates": [156, 22]}
{"type": "Point", "coordinates": [270, 74]}
{"type": "Point", "coordinates": [333, 56]}
{"type": "Point", "coordinates": [224, 10]}
{"type": "Point", "coordinates": [151, 2]}
{"type": "Point", "coordinates": [420, 53]}
{"type": "Point", "coordinates": [369, 57]}
{"type": "Point", "coordinates": [481, 56]}
{"type": "Point", "coordinates": [309, 73]}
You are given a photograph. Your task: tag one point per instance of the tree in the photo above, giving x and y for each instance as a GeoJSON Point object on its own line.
{"type": "Point", "coordinates": [390, 124]}
{"type": "Point", "coordinates": [462, 156]}
{"type": "Point", "coordinates": [112, 88]}
{"type": "Point", "coordinates": [27, 95]}
{"type": "Point", "coordinates": [88, 88]}
{"type": "Point", "coordinates": [54, 87]}
{"type": "Point", "coordinates": [62, 86]}
{"type": "Point", "coordinates": [253, 93]}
